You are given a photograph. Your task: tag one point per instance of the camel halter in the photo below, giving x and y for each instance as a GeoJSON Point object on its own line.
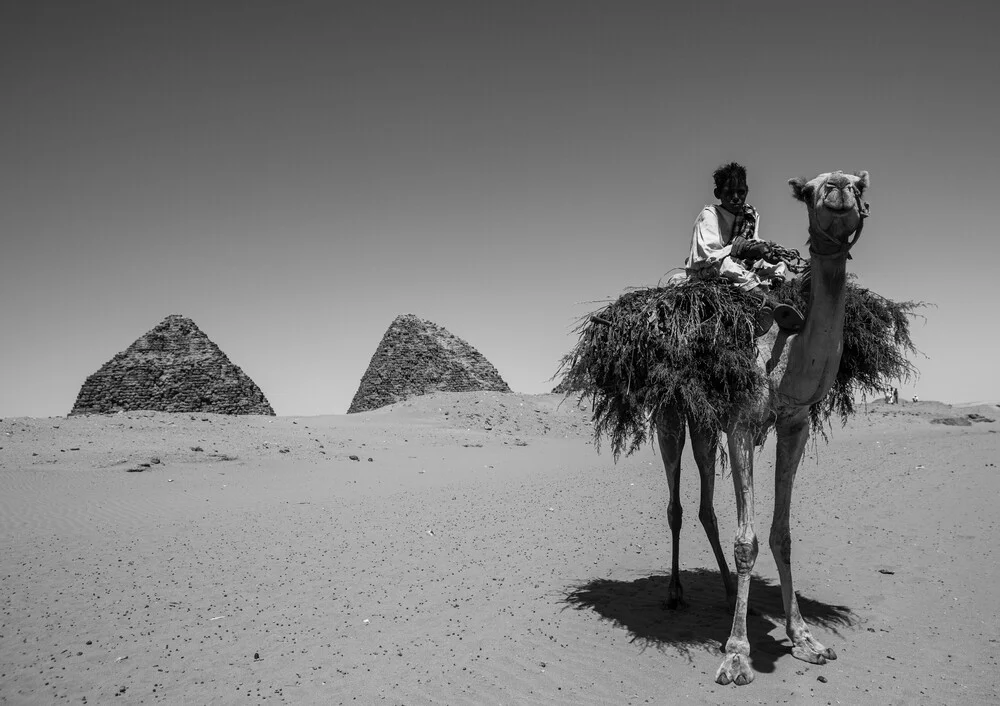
{"type": "Point", "coordinates": [843, 247]}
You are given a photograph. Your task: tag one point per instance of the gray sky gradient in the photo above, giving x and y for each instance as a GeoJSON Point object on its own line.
{"type": "Point", "coordinates": [293, 175]}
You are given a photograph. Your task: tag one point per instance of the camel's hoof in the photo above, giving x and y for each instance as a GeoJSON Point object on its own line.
{"type": "Point", "coordinates": [735, 669]}
{"type": "Point", "coordinates": [675, 597]}
{"type": "Point", "coordinates": [675, 603]}
{"type": "Point", "coordinates": [811, 651]}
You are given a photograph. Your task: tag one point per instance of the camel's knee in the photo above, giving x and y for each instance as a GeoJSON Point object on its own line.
{"type": "Point", "coordinates": [746, 554]}
{"type": "Point", "coordinates": [674, 515]}
{"type": "Point", "coordinates": [781, 545]}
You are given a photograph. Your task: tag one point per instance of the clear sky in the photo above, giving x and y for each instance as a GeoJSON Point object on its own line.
{"type": "Point", "coordinates": [293, 175]}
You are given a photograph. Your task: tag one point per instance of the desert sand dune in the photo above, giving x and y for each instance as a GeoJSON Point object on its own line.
{"type": "Point", "coordinates": [479, 550]}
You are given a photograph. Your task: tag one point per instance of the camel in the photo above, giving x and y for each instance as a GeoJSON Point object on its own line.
{"type": "Point", "coordinates": [801, 370]}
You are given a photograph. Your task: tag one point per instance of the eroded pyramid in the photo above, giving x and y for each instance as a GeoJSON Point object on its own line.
{"type": "Point", "coordinates": [172, 368]}
{"type": "Point", "coordinates": [417, 357]}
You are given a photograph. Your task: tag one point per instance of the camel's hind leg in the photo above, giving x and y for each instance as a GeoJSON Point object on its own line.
{"type": "Point", "coordinates": [704, 445]}
{"type": "Point", "coordinates": [791, 442]}
{"type": "Point", "coordinates": [670, 434]}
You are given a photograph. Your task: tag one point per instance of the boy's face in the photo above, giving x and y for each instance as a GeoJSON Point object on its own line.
{"type": "Point", "coordinates": [733, 195]}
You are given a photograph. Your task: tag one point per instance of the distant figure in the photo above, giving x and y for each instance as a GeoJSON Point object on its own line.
{"type": "Point", "coordinates": [895, 395]}
{"type": "Point", "coordinates": [888, 396]}
{"type": "Point", "coordinates": [916, 399]}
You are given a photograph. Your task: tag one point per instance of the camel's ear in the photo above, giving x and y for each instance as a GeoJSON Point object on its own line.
{"type": "Point", "coordinates": [800, 188]}
{"type": "Point", "coordinates": [863, 182]}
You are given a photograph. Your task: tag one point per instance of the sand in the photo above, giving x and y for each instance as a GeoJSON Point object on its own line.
{"type": "Point", "coordinates": [479, 551]}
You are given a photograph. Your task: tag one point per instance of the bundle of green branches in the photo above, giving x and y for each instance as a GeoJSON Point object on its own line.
{"type": "Point", "coordinates": [691, 345]}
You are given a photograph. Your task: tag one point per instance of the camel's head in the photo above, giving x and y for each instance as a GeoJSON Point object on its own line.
{"type": "Point", "coordinates": [836, 209]}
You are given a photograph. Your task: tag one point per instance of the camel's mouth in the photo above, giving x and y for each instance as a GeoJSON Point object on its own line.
{"type": "Point", "coordinates": [839, 200]}
{"type": "Point", "coordinates": [840, 210]}
{"type": "Point", "coordinates": [837, 221]}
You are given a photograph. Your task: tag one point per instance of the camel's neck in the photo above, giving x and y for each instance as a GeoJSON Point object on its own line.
{"type": "Point", "coordinates": [814, 354]}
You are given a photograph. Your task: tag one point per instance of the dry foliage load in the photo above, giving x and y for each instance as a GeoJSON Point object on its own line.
{"type": "Point", "coordinates": [691, 344]}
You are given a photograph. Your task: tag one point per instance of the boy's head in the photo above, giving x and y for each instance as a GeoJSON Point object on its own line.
{"type": "Point", "coordinates": [731, 186]}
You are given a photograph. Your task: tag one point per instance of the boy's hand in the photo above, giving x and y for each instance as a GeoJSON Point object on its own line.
{"type": "Point", "coordinates": [773, 254]}
{"type": "Point", "coordinates": [755, 250]}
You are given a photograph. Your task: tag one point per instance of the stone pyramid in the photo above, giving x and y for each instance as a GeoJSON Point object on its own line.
{"type": "Point", "coordinates": [417, 357]}
{"type": "Point", "coordinates": [173, 368]}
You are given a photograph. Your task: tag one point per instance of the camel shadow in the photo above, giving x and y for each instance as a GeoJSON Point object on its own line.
{"type": "Point", "coordinates": [639, 607]}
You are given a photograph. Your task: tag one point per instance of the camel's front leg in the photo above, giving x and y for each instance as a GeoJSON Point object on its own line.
{"type": "Point", "coordinates": [736, 665]}
{"type": "Point", "coordinates": [704, 444]}
{"type": "Point", "coordinates": [791, 442]}
{"type": "Point", "coordinates": [670, 434]}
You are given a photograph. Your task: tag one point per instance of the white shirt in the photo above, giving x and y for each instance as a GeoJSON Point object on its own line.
{"type": "Point", "coordinates": [711, 243]}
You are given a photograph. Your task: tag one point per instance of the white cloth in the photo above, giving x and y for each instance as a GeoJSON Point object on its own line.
{"type": "Point", "coordinates": [711, 243]}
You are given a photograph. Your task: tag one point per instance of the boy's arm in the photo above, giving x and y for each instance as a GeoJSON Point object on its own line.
{"type": "Point", "coordinates": [756, 249]}
{"type": "Point", "coordinates": [769, 265]}
{"type": "Point", "coordinates": [707, 248]}
{"type": "Point", "coordinates": [745, 249]}
{"type": "Point", "coordinates": [709, 251]}
{"type": "Point", "coordinates": [752, 248]}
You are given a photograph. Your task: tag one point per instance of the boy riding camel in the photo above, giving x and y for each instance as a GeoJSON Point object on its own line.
{"type": "Point", "coordinates": [725, 243]}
